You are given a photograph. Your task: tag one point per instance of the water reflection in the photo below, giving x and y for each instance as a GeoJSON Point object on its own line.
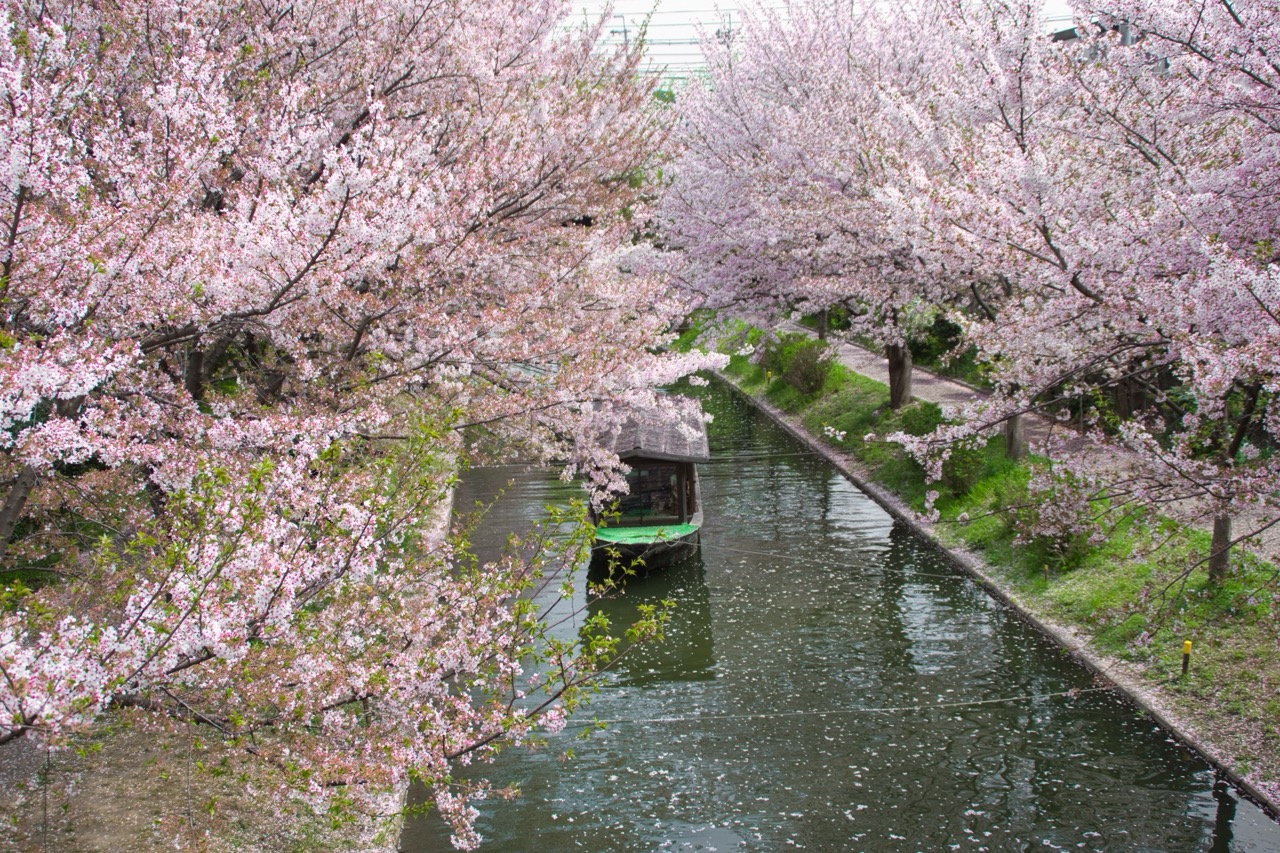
{"type": "Point", "coordinates": [687, 651]}
{"type": "Point", "coordinates": [831, 683]}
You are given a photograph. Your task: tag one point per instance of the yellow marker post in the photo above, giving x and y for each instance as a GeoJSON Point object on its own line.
{"type": "Point", "coordinates": [1186, 655]}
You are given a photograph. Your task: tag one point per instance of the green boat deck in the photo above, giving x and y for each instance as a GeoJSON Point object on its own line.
{"type": "Point", "coordinates": [646, 534]}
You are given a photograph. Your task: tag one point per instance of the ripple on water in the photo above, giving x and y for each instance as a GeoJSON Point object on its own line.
{"type": "Point", "coordinates": [749, 729]}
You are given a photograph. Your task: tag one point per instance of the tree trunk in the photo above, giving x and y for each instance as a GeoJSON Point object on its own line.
{"type": "Point", "coordinates": [899, 375]}
{"type": "Point", "coordinates": [1220, 550]}
{"type": "Point", "coordinates": [822, 324]}
{"type": "Point", "coordinates": [193, 376]}
{"type": "Point", "coordinates": [1015, 437]}
{"type": "Point", "coordinates": [12, 511]}
{"type": "Point", "coordinates": [1123, 400]}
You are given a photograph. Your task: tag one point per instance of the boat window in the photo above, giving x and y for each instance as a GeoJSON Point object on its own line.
{"type": "Point", "coordinates": [655, 494]}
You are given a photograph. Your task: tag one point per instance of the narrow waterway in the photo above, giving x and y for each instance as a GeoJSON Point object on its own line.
{"type": "Point", "coordinates": [830, 683]}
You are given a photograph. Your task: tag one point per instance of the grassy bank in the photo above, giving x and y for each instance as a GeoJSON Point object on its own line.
{"type": "Point", "coordinates": [1130, 588]}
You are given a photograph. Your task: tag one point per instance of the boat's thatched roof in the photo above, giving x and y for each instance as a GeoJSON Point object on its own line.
{"type": "Point", "coordinates": [661, 434]}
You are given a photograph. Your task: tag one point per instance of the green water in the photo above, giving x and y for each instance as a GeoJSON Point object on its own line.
{"type": "Point", "coordinates": [830, 683]}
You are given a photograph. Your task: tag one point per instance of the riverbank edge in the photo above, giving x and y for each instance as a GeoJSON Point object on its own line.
{"type": "Point", "coordinates": [1123, 676]}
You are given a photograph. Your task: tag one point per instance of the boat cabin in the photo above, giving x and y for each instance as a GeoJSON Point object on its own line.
{"type": "Point", "coordinates": [661, 452]}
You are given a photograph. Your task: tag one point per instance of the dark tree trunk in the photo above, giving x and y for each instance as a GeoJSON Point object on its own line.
{"type": "Point", "coordinates": [17, 499]}
{"type": "Point", "coordinates": [822, 324]}
{"type": "Point", "coordinates": [268, 389]}
{"type": "Point", "coordinates": [899, 375]}
{"type": "Point", "coordinates": [1015, 437]}
{"type": "Point", "coordinates": [1120, 395]}
{"type": "Point", "coordinates": [1220, 550]}
{"type": "Point", "coordinates": [215, 356]}
{"type": "Point", "coordinates": [193, 376]}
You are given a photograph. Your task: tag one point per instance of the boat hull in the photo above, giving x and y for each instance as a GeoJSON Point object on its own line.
{"type": "Point", "coordinates": [640, 550]}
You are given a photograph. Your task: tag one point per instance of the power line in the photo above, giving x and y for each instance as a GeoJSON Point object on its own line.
{"type": "Point", "coordinates": [790, 558]}
{"type": "Point", "coordinates": [842, 712]}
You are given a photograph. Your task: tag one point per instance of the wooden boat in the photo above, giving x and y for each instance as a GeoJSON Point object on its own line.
{"type": "Point", "coordinates": [657, 522]}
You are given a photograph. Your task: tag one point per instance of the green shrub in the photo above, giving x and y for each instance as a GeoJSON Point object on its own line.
{"type": "Point", "coordinates": [940, 349]}
{"type": "Point", "coordinates": [798, 360]}
{"type": "Point", "coordinates": [920, 418]}
{"type": "Point", "coordinates": [837, 319]}
{"type": "Point", "coordinates": [776, 353]}
{"type": "Point", "coordinates": [936, 342]}
{"type": "Point", "coordinates": [806, 368]}
{"type": "Point", "coordinates": [962, 470]}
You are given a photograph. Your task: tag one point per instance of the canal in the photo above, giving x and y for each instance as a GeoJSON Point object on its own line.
{"type": "Point", "coordinates": [831, 683]}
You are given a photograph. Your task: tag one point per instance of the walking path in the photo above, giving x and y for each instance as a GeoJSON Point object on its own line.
{"type": "Point", "coordinates": [924, 385]}
{"type": "Point", "coordinates": [933, 388]}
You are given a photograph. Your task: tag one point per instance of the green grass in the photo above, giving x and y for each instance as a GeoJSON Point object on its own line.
{"type": "Point", "coordinates": [1137, 594]}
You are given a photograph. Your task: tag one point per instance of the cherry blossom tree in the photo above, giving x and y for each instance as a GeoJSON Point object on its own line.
{"type": "Point", "coordinates": [986, 196]}
{"type": "Point", "coordinates": [1204, 87]}
{"type": "Point", "coordinates": [776, 199]}
{"type": "Point", "coordinates": [270, 271]}
{"type": "Point", "coordinates": [1102, 204]}
{"type": "Point", "coordinates": [1106, 180]}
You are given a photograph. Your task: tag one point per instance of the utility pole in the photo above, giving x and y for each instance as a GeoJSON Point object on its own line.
{"type": "Point", "coordinates": [724, 35]}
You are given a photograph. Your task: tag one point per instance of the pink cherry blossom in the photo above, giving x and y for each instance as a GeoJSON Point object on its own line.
{"type": "Point", "coordinates": [269, 273]}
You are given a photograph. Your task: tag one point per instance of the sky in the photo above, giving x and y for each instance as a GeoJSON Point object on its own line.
{"type": "Point", "coordinates": [673, 48]}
